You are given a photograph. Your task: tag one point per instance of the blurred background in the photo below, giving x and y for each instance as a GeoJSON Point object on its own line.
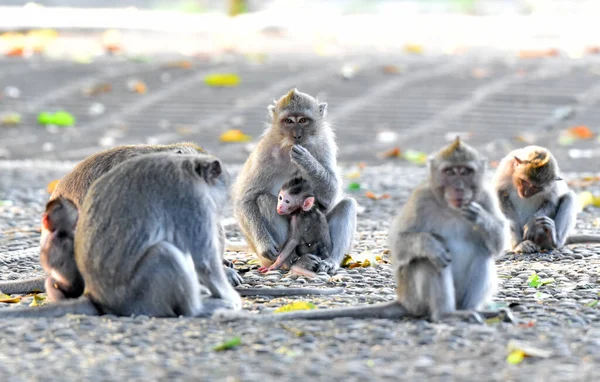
{"type": "Point", "coordinates": [402, 77]}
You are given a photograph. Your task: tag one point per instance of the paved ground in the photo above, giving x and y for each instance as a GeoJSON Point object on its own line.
{"type": "Point", "coordinates": [495, 99]}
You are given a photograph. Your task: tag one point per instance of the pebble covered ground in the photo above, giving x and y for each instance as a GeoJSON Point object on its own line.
{"type": "Point", "coordinates": [560, 317]}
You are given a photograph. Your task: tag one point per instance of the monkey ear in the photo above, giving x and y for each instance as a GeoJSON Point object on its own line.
{"type": "Point", "coordinates": [271, 109]}
{"type": "Point", "coordinates": [213, 169]}
{"type": "Point", "coordinates": [308, 203]}
{"type": "Point", "coordinates": [323, 109]}
{"type": "Point", "coordinates": [517, 160]}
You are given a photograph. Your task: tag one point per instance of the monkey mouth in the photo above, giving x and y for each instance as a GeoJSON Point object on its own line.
{"type": "Point", "coordinates": [457, 203]}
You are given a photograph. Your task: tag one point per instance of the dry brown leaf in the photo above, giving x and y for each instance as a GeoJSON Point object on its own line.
{"type": "Point", "coordinates": [538, 53]}
{"type": "Point", "coordinates": [581, 132]}
{"type": "Point", "coordinates": [391, 153]}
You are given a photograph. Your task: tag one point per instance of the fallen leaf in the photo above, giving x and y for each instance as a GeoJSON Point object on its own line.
{"type": "Point", "coordinates": [52, 185]}
{"type": "Point", "coordinates": [111, 41]}
{"type": "Point", "coordinates": [234, 136]}
{"type": "Point", "coordinates": [416, 157]}
{"type": "Point", "coordinates": [391, 69]}
{"type": "Point", "coordinates": [253, 262]}
{"type": "Point", "coordinates": [98, 89]}
{"type": "Point", "coordinates": [38, 300]}
{"type": "Point", "coordinates": [586, 198]}
{"type": "Point", "coordinates": [15, 51]}
{"type": "Point", "coordinates": [353, 175]}
{"type": "Point", "coordinates": [373, 196]}
{"type": "Point", "coordinates": [515, 357]}
{"type": "Point", "coordinates": [534, 280]}
{"type": "Point", "coordinates": [363, 259]}
{"type": "Point", "coordinates": [225, 79]}
{"type": "Point", "coordinates": [294, 306]}
{"type": "Point", "coordinates": [354, 186]}
{"type": "Point", "coordinates": [592, 304]}
{"type": "Point", "coordinates": [529, 324]}
{"type": "Point", "coordinates": [362, 165]}
{"type": "Point", "coordinates": [10, 119]}
{"type": "Point", "coordinates": [528, 350]}
{"type": "Point", "coordinates": [538, 53]}
{"type": "Point", "coordinates": [137, 87]}
{"type": "Point", "coordinates": [413, 48]}
{"type": "Point", "coordinates": [7, 299]}
{"type": "Point", "coordinates": [581, 132]}
{"type": "Point", "coordinates": [391, 153]}
{"type": "Point", "coordinates": [183, 64]}
{"type": "Point", "coordinates": [585, 181]}
{"type": "Point", "coordinates": [60, 118]}
{"type": "Point", "coordinates": [232, 343]}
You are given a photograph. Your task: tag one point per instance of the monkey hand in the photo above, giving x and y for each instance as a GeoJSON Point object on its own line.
{"type": "Point", "coordinates": [329, 266]}
{"type": "Point", "coordinates": [546, 229]}
{"type": "Point", "coordinates": [233, 276]}
{"type": "Point", "coordinates": [300, 156]}
{"type": "Point", "coordinates": [269, 252]}
{"type": "Point", "coordinates": [474, 213]}
{"type": "Point", "coordinates": [527, 246]}
{"type": "Point", "coordinates": [438, 254]}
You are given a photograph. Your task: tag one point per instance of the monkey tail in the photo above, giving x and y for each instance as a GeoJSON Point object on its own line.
{"type": "Point", "coordinates": [245, 292]}
{"type": "Point", "coordinates": [387, 310]}
{"type": "Point", "coordinates": [23, 286]}
{"type": "Point", "coordinates": [82, 305]}
{"type": "Point", "coordinates": [582, 239]}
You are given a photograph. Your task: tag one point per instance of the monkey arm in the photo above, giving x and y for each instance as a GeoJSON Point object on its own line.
{"type": "Point", "coordinates": [408, 246]}
{"type": "Point", "coordinates": [324, 179]}
{"type": "Point", "coordinates": [490, 223]}
{"type": "Point", "coordinates": [564, 220]}
{"type": "Point", "coordinates": [254, 225]}
{"type": "Point", "coordinates": [285, 253]}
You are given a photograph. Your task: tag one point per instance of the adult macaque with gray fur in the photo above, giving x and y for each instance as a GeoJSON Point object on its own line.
{"type": "Point", "coordinates": [74, 186]}
{"type": "Point", "coordinates": [144, 246]}
{"type": "Point", "coordinates": [309, 232]}
{"type": "Point", "coordinates": [537, 201]}
{"type": "Point", "coordinates": [299, 141]}
{"type": "Point", "coordinates": [442, 243]}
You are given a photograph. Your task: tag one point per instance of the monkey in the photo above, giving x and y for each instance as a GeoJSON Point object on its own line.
{"type": "Point", "coordinates": [298, 141]}
{"type": "Point", "coordinates": [57, 252]}
{"type": "Point", "coordinates": [309, 232]}
{"type": "Point", "coordinates": [443, 243]}
{"type": "Point", "coordinates": [75, 185]}
{"type": "Point", "coordinates": [145, 246]}
{"type": "Point", "coordinates": [540, 207]}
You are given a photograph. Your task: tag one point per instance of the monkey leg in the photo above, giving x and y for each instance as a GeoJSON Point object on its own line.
{"type": "Point", "coordinates": [277, 227]}
{"type": "Point", "coordinates": [424, 290]}
{"type": "Point", "coordinates": [564, 220]}
{"type": "Point", "coordinates": [163, 284]}
{"type": "Point", "coordinates": [477, 285]}
{"type": "Point", "coordinates": [342, 227]}
{"type": "Point", "coordinates": [527, 246]}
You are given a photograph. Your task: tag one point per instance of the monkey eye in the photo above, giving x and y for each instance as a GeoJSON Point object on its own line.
{"type": "Point", "coordinates": [308, 244]}
{"type": "Point", "coordinates": [449, 171]}
{"type": "Point", "coordinates": [303, 120]}
{"type": "Point", "coordinates": [280, 197]}
{"type": "Point", "coordinates": [287, 201]}
{"type": "Point", "coordinates": [466, 171]}
{"type": "Point", "coordinates": [178, 152]}
{"type": "Point", "coordinates": [288, 120]}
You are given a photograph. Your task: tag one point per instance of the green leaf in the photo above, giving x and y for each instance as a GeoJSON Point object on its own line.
{"type": "Point", "coordinates": [235, 341]}
{"type": "Point", "coordinates": [416, 157]}
{"type": "Point", "coordinates": [547, 281]}
{"type": "Point", "coordinates": [534, 280]}
{"type": "Point", "coordinates": [354, 186]}
{"type": "Point", "coordinates": [592, 304]}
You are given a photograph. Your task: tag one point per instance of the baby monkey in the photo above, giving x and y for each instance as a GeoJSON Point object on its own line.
{"type": "Point", "coordinates": [309, 232]}
{"type": "Point", "coordinates": [537, 201]}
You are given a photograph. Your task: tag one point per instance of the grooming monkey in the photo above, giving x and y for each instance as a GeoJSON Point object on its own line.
{"type": "Point", "coordinates": [145, 246]}
{"type": "Point", "coordinates": [442, 243]}
{"type": "Point", "coordinates": [309, 232]}
{"type": "Point", "coordinates": [537, 201]}
{"type": "Point", "coordinates": [75, 185]}
{"type": "Point", "coordinates": [299, 141]}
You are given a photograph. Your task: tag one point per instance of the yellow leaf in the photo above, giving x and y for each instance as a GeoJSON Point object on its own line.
{"type": "Point", "coordinates": [515, 357]}
{"type": "Point", "coordinates": [233, 136]}
{"type": "Point", "coordinates": [347, 260]}
{"type": "Point", "coordinates": [413, 48]}
{"type": "Point", "coordinates": [586, 198]}
{"type": "Point", "coordinates": [253, 262]}
{"type": "Point", "coordinates": [226, 79]}
{"type": "Point", "coordinates": [296, 305]}
{"type": "Point", "coordinates": [51, 186]}
{"type": "Point", "coordinates": [7, 299]}
{"type": "Point", "coordinates": [353, 175]}
{"type": "Point", "coordinates": [38, 300]}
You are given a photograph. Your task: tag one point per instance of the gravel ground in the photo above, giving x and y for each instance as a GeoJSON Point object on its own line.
{"type": "Point", "coordinates": [560, 317]}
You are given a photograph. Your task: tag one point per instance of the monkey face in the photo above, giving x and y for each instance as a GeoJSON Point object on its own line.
{"type": "Point", "coordinates": [297, 127]}
{"type": "Point", "coordinates": [458, 184]}
{"type": "Point", "coordinates": [526, 189]}
{"type": "Point", "coordinates": [286, 203]}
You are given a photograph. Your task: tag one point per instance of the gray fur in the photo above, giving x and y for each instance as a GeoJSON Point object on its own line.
{"type": "Point", "coordinates": [276, 158]}
{"type": "Point", "coordinates": [145, 245]}
{"type": "Point", "coordinates": [544, 220]}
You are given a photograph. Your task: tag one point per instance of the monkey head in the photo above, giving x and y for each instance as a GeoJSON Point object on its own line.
{"type": "Point", "coordinates": [295, 193]}
{"type": "Point", "coordinates": [456, 174]}
{"type": "Point", "coordinates": [534, 169]}
{"type": "Point", "coordinates": [297, 116]}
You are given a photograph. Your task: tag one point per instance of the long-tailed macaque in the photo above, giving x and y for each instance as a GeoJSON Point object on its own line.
{"type": "Point", "coordinates": [537, 202]}
{"type": "Point", "coordinates": [299, 141]}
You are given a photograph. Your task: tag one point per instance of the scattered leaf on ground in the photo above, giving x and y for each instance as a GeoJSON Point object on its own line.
{"type": "Point", "coordinates": [353, 175]}
{"type": "Point", "coordinates": [232, 343]}
{"type": "Point", "coordinates": [98, 89]}
{"type": "Point", "coordinates": [529, 324]}
{"type": "Point", "coordinates": [354, 186]}
{"type": "Point", "coordinates": [52, 185]}
{"type": "Point", "coordinates": [38, 300]}
{"type": "Point", "coordinates": [363, 259]}
{"type": "Point", "coordinates": [592, 304]}
{"type": "Point", "coordinates": [581, 132]}
{"type": "Point", "coordinates": [413, 48]}
{"type": "Point", "coordinates": [585, 181]}
{"type": "Point", "coordinates": [362, 165]}
{"type": "Point", "coordinates": [527, 350]}
{"type": "Point", "coordinates": [10, 119]}
{"type": "Point", "coordinates": [392, 69]}
{"type": "Point", "coordinates": [111, 41]}
{"type": "Point", "coordinates": [137, 86]}
{"type": "Point", "coordinates": [297, 332]}
{"type": "Point", "coordinates": [294, 306]}
{"type": "Point", "coordinates": [534, 280]}
{"type": "Point", "coordinates": [183, 64]}
{"type": "Point", "coordinates": [526, 138]}
{"type": "Point", "coordinates": [60, 118]}
{"type": "Point", "coordinates": [225, 79]}
{"type": "Point", "coordinates": [566, 139]}
{"type": "Point", "coordinates": [538, 53]}
{"type": "Point", "coordinates": [234, 136]}
{"type": "Point", "coordinates": [391, 153]}
{"type": "Point", "coordinates": [515, 357]}
{"type": "Point", "coordinates": [586, 198]}
{"type": "Point", "coordinates": [416, 157]}
{"type": "Point", "coordinates": [7, 299]}
{"type": "Point", "coordinates": [253, 262]}
{"type": "Point", "coordinates": [373, 196]}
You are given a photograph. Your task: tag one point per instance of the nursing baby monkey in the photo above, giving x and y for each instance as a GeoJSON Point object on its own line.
{"type": "Point", "coordinates": [299, 141]}
{"type": "Point", "coordinates": [537, 201]}
{"type": "Point", "coordinates": [442, 243]}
